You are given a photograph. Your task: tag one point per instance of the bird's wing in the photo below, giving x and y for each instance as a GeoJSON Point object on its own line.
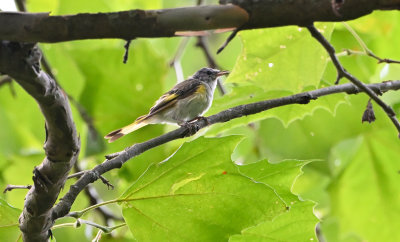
{"type": "Point", "coordinates": [179, 91]}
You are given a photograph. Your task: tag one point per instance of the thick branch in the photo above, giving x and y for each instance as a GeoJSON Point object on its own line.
{"type": "Point", "coordinates": [21, 62]}
{"type": "Point", "coordinates": [273, 13]}
{"type": "Point", "coordinates": [40, 27]}
{"type": "Point", "coordinates": [64, 206]}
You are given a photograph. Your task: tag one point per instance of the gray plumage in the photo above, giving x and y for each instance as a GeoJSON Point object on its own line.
{"type": "Point", "coordinates": [186, 101]}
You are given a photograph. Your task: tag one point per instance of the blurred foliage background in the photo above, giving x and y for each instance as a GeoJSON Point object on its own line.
{"type": "Point", "coordinates": [267, 177]}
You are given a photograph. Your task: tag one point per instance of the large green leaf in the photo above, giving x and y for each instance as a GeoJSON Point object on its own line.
{"type": "Point", "coordinates": [286, 58]}
{"type": "Point", "coordinates": [365, 191]}
{"type": "Point", "coordinates": [197, 194]}
{"type": "Point", "coordinates": [9, 230]}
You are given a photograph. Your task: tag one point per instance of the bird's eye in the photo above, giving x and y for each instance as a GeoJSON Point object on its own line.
{"type": "Point", "coordinates": [209, 73]}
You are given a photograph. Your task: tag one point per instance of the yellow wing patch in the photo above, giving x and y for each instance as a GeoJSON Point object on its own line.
{"type": "Point", "coordinates": [168, 98]}
{"type": "Point", "coordinates": [201, 89]}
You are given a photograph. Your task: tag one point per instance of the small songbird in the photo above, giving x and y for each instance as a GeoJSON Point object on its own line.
{"type": "Point", "coordinates": [185, 102]}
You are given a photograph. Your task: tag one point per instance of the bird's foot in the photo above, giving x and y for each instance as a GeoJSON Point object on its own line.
{"type": "Point", "coordinates": [191, 128]}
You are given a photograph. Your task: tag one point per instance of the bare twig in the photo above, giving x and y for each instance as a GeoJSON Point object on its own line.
{"type": "Point", "coordinates": [21, 5]}
{"type": "Point", "coordinates": [366, 50]}
{"type": "Point", "coordinates": [5, 80]}
{"type": "Point", "coordinates": [77, 174]}
{"type": "Point", "coordinates": [230, 37]}
{"type": "Point", "coordinates": [341, 72]}
{"type": "Point", "coordinates": [64, 206]}
{"type": "Point", "coordinates": [202, 44]}
{"type": "Point", "coordinates": [126, 46]}
{"type": "Point", "coordinates": [12, 187]}
{"type": "Point", "coordinates": [8, 80]}
{"type": "Point", "coordinates": [103, 228]}
{"type": "Point", "coordinates": [94, 197]}
{"type": "Point", "coordinates": [81, 173]}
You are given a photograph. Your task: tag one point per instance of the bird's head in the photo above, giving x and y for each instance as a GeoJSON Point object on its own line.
{"type": "Point", "coordinates": [208, 74]}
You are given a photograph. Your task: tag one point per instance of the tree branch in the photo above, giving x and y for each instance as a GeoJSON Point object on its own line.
{"type": "Point", "coordinates": [40, 27]}
{"type": "Point", "coordinates": [64, 206]}
{"type": "Point", "coordinates": [12, 187]}
{"type": "Point", "coordinates": [341, 72]}
{"type": "Point", "coordinates": [21, 62]}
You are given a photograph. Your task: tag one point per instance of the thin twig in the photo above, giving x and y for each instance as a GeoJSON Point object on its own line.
{"type": "Point", "coordinates": [103, 228]}
{"type": "Point", "coordinates": [64, 206]}
{"type": "Point", "coordinates": [230, 37]}
{"type": "Point", "coordinates": [94, 197]}
{"type": "Point", "coordinates": [126, 46]}
{"type": "Point", "coordinates": [21, 5]}
{"type": "Point", "coordinates": [202, 44]}
{"type": "Point", "coordinates": [5, 80]}
{"type": "Point", "coordinates": [77, 174]}
{"type": "Point", "coordinates": [12, 187]}
{"type": "Point", "coordinates": [341, 72]}
{"type": "Point", "coordinates": [365, 48]}
{"type": "Point", "coordinates": [8, 80]}
{"type": "Point", "coordinates": [81, 173]}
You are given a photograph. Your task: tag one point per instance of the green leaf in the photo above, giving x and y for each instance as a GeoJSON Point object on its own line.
{"type": "Point", "coordinates": [9, 230]}
{"type": "Point", "coordinates": [298, 224]}
{"type": "Point", "coordinates": [197, 193]}
{"type": "Point", "coordinates": [364, 191]}
{"type": "Point", "coordinates": [279, 176]}
{"type": "Point", "coordinates": [286, 58]}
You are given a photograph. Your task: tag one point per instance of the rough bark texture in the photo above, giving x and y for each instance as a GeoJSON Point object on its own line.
{"type": "Point", "coordinates": [40, 27]}
{"type": "Point", "coordinates": [273, 13]}
{"type": "Point", "coordinates": [21, 62]}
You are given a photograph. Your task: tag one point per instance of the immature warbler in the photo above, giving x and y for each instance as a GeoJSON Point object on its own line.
{"type": "Point", "coordinates": [185, 102]}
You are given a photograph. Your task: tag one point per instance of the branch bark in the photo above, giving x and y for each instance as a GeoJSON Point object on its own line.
{"type": "Point", "coordinates": [21, 62]}
{"type": "Point", "coordinates": [118, 159]}
{"type": "Point", "coordinates": [250, 14]}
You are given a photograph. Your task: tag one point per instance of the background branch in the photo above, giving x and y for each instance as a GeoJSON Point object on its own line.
{"type": "Point", "coordinates": [64, 206]}
{"type": "Point", "coordinates": [341, 72]}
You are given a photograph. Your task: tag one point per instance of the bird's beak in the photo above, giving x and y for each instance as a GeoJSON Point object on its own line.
{"type": "Point", "coordinates": [221, 73]}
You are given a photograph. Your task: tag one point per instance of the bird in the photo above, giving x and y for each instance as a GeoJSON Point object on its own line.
{"type": "Point", "coordinates": [184, 103]}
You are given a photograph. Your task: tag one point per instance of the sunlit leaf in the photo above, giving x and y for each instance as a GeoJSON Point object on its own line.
{"type": "Point", "coordinates": [197, 193]}
{"type": "Point", "coordinates": [287, 58]}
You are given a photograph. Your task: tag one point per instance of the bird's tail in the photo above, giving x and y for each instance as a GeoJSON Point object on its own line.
{"type": "Point", "coordinates": [139, 123]}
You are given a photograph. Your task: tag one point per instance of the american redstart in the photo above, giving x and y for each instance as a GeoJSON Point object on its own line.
{"type": "Point", "coordinates": [185, 102]}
